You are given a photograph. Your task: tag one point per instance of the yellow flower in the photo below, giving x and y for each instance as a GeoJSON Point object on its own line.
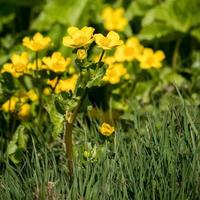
{"type": "Point", "coordinates": [24, 111]}
{"type": "Point", "coordinates": [114, 19]}
{"type": "Point", "coordinates": [18, 66]}
{"type": "Point", "coordinates": [114, 72]}
{"type": "Point", "coordinates": [20, 62]}
{"type": "Point", "coordinates": [78, 37]}
{"type": "Point", "coordinates": [10, 105]}
{"type": "Point", "coordinates": [109, 60]}
{"type": "Point", "coordinates": [150, 59]}
{"type": "Point", "coordinates": [32, 95]}
{"type": "Point", "coordinates": [129, 51]}
{"type": "Point", "coordinates": [38, 43]}
{"type": "Point", "coordinates": [159, 56]}
{"type": "Point", "coordinates": [67, 85]}
{"type": "Point", "coordinates": [106, 129]}
{"type": "Point", "coordinates": [81, 54]}
{"type": "Point", "coordinates": [56, 62]}
{"type": "Point", "coordinates": [111, 40]}
{"type": "Point", "coordinates": [8, 67]}
{"type": "Point", "coordinates": [47, 91]}
{"type": "Point", "coordinates": [52, 82]}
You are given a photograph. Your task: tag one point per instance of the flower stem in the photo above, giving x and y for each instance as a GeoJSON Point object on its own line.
{"type": "Point", "coordinates": [36, 63]}
{"type": "Point", "coordinates": [68, 127]}
{"type": "Point", "coordinates": [101, 57]}
{"type": "Point", "coordinates": [69, 147]}
{"type": "Point", "coordinates": [39, 91]}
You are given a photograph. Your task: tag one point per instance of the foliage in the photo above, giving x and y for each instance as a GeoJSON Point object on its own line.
{"type": "Point", "coordinates": [151, 156]}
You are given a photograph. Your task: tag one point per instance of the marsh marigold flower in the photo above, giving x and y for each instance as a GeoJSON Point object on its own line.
{"type": "Point", "coordinates": [81, 54]}
{"type": "Point", "coordinates": [131, 50]}
{"type": "Point", "coordinates": [114, 19]}
{"type": "Point", "coordinates": [47, 91]}
{"type": "Point", "coordinates": [150, 59]}
{"type": "Point", "coordinates": [24, 111]}
{"type": "Point", "coordinates": [56, 63]}
{"type": "Point", "coordinates": [63, 85]}
{"type": "Point", "coordinates": [18, 66]}
{"type": "Point", "coordinates": [114, 72]}
{"type": "Point", "coordinates": [109, 60]}
{"type": "Point", "coordinates": [78, 37]}
{"type": "Point", "coordinates": [107, 42]}
{"type": "Point", "coordinates": [10, 105]}
{"type": "Point", "coordinates": [106, 129]}
{"type": "Point", "coordinates": [32, 95]}
{"type": "Point", "coordinates": [20, 62]}
{"type": "Point", "coordinates": [37, 43]}
{"type": "Point", "coordinates": [52, 82]}
{"type": "Point", "coordinates": [67, 85]}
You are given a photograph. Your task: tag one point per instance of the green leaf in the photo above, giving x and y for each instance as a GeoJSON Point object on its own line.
{"type": "Point", "coordinates": [55, 117]}
{"type": "Point", "coordinates": [169, 76]}
{"type": "Point", "coordinates": [22, 139]}
{"type": "Point", "coordinates": [70, 12]}
{"type": "Point", "coordinates": [138, 8]}
{"type": "Point", "coordinates": [155, 30]}
{"type": "Point", "coordinates": [142, 90]}
{"type": "Point", "coordinates": [65, 104]}
{"type": "Point", "coordinates": [196, 33]}
{"type": "Point", "coordinates": [12, 147]}
{"type": "Point", "coordinates": [17, 143]}
{"type": "Point", "coordinates": [172, 16]}
{"type": "Point", "coordinates": [96, 77]}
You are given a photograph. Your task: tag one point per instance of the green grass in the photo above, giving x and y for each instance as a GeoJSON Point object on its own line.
{"type": "Point", "coordinates": [156, 156]}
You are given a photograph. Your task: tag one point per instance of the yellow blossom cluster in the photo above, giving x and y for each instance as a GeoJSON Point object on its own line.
{"type": "Point", "coordinates": [20, 104]}
{"type": "Point", "coordinates": [81, 38]}
{"type": "Point", "coordinates": [37, 43]}
{"type": "Point", "coordinates": [78, 38]}
{"type": "Point", "coordinates": [18, 65]}
{"type": "Point", "coordinates": [114, 19]}
{"type": "Point", "coordinates": [149, 58]}
{"type": "Point", "coordinates": [131, 50]}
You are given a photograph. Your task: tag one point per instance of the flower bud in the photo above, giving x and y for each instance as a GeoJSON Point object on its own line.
{"type": "Point", "coordinates": [81, 54]}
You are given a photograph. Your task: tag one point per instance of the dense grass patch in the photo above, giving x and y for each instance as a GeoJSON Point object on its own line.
{"type": "Point", "coordinates": [151, 157]}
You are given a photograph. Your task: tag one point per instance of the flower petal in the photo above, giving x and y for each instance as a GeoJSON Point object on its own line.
{"type": "Point", "coordinates": [67, 41]}
{"type": "Point", "coordinates": [71, 30]}
{"type": "Point", "coordinates": [88, 31]}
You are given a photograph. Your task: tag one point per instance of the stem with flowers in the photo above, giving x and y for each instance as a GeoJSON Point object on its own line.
{"type": "Point", "coordinates": [70, 118]}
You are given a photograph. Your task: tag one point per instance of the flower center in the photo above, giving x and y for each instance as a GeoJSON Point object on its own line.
{"type": "Point", "coordinates": [105, 42]}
